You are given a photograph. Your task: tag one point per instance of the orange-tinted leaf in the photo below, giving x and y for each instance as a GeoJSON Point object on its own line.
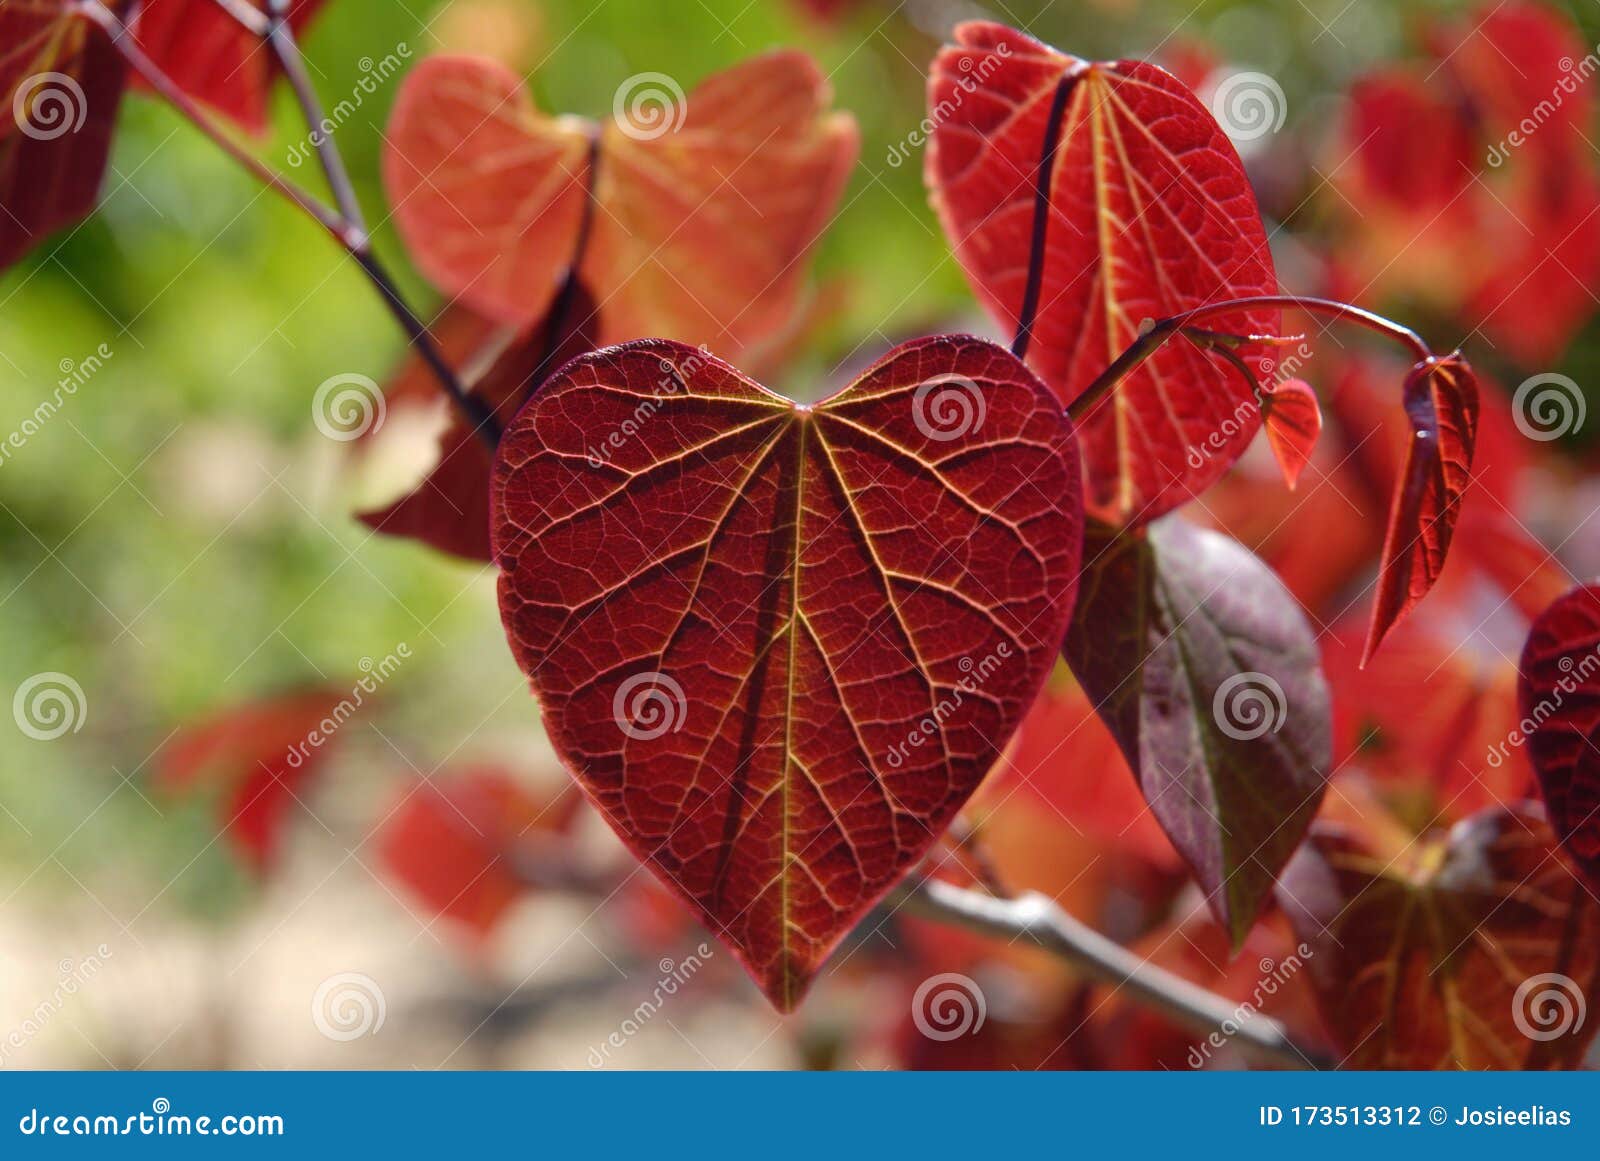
{"type": "Point", "coordinates": [449, 509]}
{"type": "Point", "coordinates": [260, 756]}
{"type": "Point", "coordinates": [213, 57]}
{"type": "Point", "coordinates": [1207, 672]}
{"type": "Point", "coordinates": [1474, 950]}
{"type": "Point", "coordinates": [454, 845]}
{"type": "Point", "coordinates": [1293, 419]}
{"type": "Point", "coordinates": [1560, 699]}
{"type": "Point", "coordinates": [1441, 403]}
{"type": "Point", "coordinates": [1150, 214]}
{"type": "Point", "coordinates": [704, 207]}
{"type": "Point", "coordinates": [780, 646]}
{"type": "Point", "coordinates": [61, 81]}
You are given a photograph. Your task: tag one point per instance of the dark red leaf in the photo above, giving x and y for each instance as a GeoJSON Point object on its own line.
{"type": "Point", "coordinates": [449, 509]}
{"type": "Point", "coordinates": [1474, 950]}
{"type": "Point", "coordinates": [1441, 402]}
{"type": "Point", "coordinates": [454, 845]}
{"type": "Point", "coordinates": [1207, 672]}
{"type": "Point", "coordinates": [780, 646]}
{"type": "Point", "coordinates": [1293, 419]}
{"type": "Point", "coordinates": [1560, 701]}
{"type": "Point", "coordinates": [212, 56]}
{"type": "Point", "coordinates": [63, 75]}
{"type": "Point", "coordinates": [261, 757]}
{"type": "Point", "coordinates": [1150, 215]}
{"type": "Point", "coordinates": [705, 205]}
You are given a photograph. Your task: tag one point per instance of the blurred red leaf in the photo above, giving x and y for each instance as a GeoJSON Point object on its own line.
{"type": "Point", "coordinates": [1207, 673]}
{"type": "Point", "coordinates": [261, 756]}
{"type": "Point", "coordinates": [1452, 953]}
{"type": "Point", "coordinates": [704, 205]}
{"type": "Point", "coordinates": [1293, 420]}
{"type": "Point", "coordinates": [213, 57]}
{"type": "Point", "coordinates": [61, 74]}
{"type": "Point", "coordinates": [1560, 700]}
{"type": "Point", "coordinates": [1150, 215]}
{"type": "Point", "coordinates": [453, 845]}
{"type": "Point", "coordinates": [449, 509]}
{"type": "Point", "coordinates": [1441, 403]}
{"type": "Point", "coordinates": [780, 646]}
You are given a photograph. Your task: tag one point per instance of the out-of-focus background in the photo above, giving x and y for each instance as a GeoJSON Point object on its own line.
{"type": "Point", "coordinates": [177, 540]}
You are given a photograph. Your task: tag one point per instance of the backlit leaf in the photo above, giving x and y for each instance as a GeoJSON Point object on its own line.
{"type": "Point", "coordinates": [1560, 701]}
{"type": "Point", "coordinates": [780, 646]}
{"type": "Point", "coordinates": [1441, 403]}
{"type": "Point", "coordinates": [61, 81]}
{"type": "Point", "coordinates": [1150, 214]}
{"type": "Point", "coordinates": [1473, 950]}
{"type": "Point", "coordinates": [1207, 672]}
{"type": "Point", "coordinates": [704, 206]}
{"type": "Point", "coordinates": [1293, 419]}
{"type": "Point", "coordinates": [212, 56]}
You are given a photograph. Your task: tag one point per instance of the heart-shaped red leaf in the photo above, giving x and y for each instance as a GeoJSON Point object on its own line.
{"type": "Point", "coordinates": [1293, 419]}
{"type": "Point", "coordinates": [213, 57]}
{"type": "Point", "coordinates": [61, 81]}
{"type": "Point", "coordinates": [449, 509]}
{"type": "Point", "coordinates": [1560, 697]}
{"type": "Point", "coordinates": [1441, 402]}
{"type": "Point", "coordinates": [704, 205]}
{"type": "Point", "coordinates": [1150, 215]}
{"type": "Point", "coordinates": [780, 645]}
{"type": "Point", "coordinates": [1477, 950]}
{"type": "Point", "coordinates": [1207, 672]}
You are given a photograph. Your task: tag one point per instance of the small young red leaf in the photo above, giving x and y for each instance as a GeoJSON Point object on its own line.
{"type": "Point", "coordinates": [213, 57]}
{"type": "Point", "coordinates": [1207, 672]}
{"type": "Point", "coordinates": [262, 756]}
{"type": "Point", "coordinates": [1293, 419]}
{"type": "Point", "coordinates": [1150, 214]}
{"type": "Point", "coordinates": [1560, 696]}
{"type": "Point", "coordinates": [1478, 950]}
{"type": "Point", "coordinates": [449, 509]}
{"type": "Point", "coordinates": [704, 205]}
{"type": "Point", "coordinates": [61, 81]}
{"type": "Point", "coordinates": [1441, 403]}
{"type": "Point", "coordinates": [779, 645]}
